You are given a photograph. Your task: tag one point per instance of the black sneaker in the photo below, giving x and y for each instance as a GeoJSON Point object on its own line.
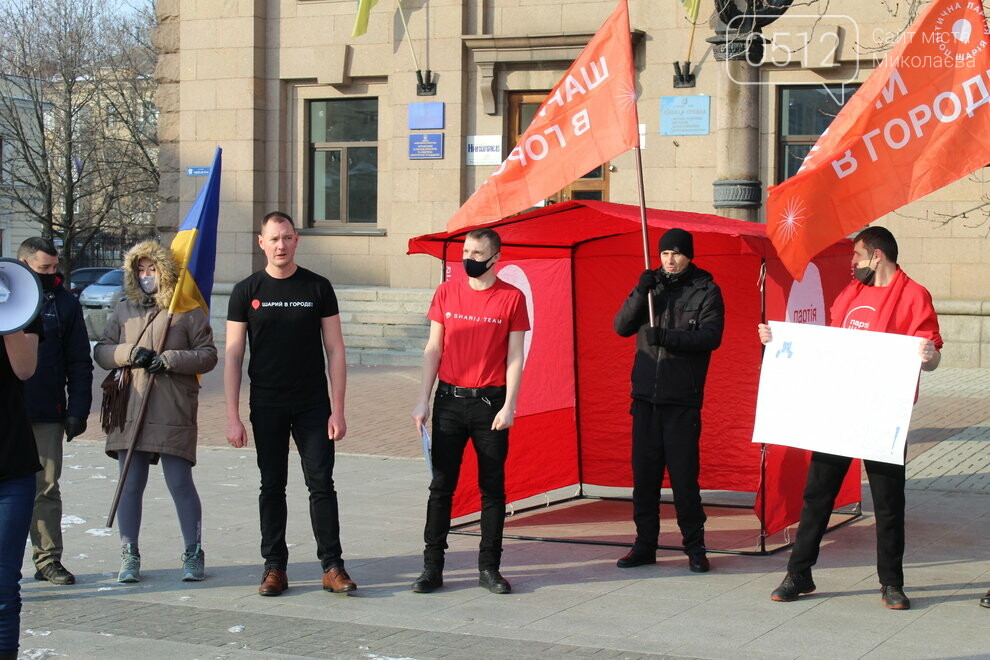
{"type": "Point", "coordinates": [698, 563]}
{"type": "Point", "coordinates": [637, 558]}
{"type": "Point", "coordinates": [429, 580]}
{"type": "Point", "coordinates": [894, 598]}
{"type": "Point", "coordinates": [794, 585]}
{"type": "Point", "coordinates": [492, 580]}
{"type": "Point", "coordinates": [985, 601]}
{"type": "Point", "coordinates": [55, 573]}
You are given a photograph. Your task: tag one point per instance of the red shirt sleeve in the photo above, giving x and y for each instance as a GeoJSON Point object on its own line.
{"type": "Point", "coordinates": [435, 312]}
{"type": "Point", "coordinates": [520, 316]}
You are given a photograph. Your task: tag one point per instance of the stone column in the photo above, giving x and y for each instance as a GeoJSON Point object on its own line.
{"type": "Point", "coordinates": [738, 191]}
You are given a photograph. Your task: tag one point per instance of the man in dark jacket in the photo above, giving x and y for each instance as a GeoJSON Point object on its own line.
{"type": "Point", "coordinates": [63, 364]}
{"type": "Point", "coordinates": [668, 384]}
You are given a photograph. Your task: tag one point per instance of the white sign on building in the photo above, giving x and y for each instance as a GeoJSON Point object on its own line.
{"type": "Point", "coordinates": [484, 150]}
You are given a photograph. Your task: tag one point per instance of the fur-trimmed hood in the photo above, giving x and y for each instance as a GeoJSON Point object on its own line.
{"type": "Point", "coordinates": [168, 274]}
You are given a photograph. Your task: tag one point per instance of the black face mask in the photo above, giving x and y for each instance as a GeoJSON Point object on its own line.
{"type": "Point", "coordinates": [47, 281]}
{"type": "Point", "coordinates": [865, 274]}
{"type": "Point", "coordinates": [476, 268]}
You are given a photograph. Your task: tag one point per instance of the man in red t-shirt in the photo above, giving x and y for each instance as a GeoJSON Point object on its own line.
{"type": "Point", "coordinates": [477, 326]}
{"type": "Point", "coordinates": [882, 299]}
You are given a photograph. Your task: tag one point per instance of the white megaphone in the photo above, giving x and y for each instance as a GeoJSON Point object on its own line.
{"type": "Point", "coordinates": [20, 295]}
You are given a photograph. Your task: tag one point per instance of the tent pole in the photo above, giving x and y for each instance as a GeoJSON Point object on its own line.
{"type": "Point", "coordinates": [762, 283]}
{"type": "Point", "coordinates": [577, 393]}
{"type": "Point", "coordinates": [642, 220]}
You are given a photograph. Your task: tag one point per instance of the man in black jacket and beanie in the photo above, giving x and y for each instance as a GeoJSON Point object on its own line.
{"type": "Point", "coordinates": [668, 384]}
{"type": "Point", "coordinates": [64, 365]}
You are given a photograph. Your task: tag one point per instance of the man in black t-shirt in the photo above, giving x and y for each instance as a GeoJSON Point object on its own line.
{"type": "Point", "coordinates": [289, 317]}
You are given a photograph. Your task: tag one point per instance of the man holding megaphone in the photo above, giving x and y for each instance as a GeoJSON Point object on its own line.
{"type": "Point", "coordinates": [64, 365]}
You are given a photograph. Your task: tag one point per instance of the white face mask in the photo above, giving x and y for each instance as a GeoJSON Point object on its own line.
{"type": "Point", "coordinates": [149, 284]}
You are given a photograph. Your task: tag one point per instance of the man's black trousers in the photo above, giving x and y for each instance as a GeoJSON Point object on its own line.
{"type": "Point", "coordinates": [825, 476]}
{"type": "Point", "coordinates": [308, 426]}
{"type": "Point", "coordinates": [455, 420]}
{"type": "Point", "coordinates": [666, 437]}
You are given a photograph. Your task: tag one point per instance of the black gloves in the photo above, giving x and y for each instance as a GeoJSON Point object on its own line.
{"type": "Point", "coordinates": [141, 357]}
{"type": "Point", "coordinates": [158, 365]}
{"type": "Point", "coordinates": [647, 281]}
{"type": "Point", "coordinates": [74, 426]}
{"type": "Point", "coordinates": [656, 336]}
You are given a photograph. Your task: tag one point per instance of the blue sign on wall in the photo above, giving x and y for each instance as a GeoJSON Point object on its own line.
{"type": "Point", "coordinates": [426, 146]}
{"type": "Point", "coordinates": [685, 115]}
{"type": "Point", "coordinates": [425, 115]}
{"type": "Point", "coordinates": [198, 171]}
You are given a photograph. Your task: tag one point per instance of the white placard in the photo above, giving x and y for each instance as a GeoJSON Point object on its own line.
{"type": "Point", "coordinates": [484, 150]}
{"type": "Point", "coordinates": [845, 392]}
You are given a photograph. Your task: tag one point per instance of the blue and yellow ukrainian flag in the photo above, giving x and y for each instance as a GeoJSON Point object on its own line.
{"type": "Point", "coordinates": [691, 8]}
{"type": "Point", "coordinates": [361, 20]}
{"type": "Point", "coordinates": [195, 247]}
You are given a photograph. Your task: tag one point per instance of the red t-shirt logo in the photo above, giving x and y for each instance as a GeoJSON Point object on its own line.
{"type": "Point", "coordinates": [255, 304]}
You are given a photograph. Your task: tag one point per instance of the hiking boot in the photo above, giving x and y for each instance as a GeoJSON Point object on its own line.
{"type": "Point", "coordinates": [193, 563]}
{"type": "Point", "coordinates": [794, 585]}
{"type": "Point", "coordinates": [55, 573]}
{"type": "Point", "coordinates": [130, 564]}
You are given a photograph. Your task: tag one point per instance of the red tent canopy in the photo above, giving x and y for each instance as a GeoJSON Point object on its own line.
{"type": "Point", "coordinates": [576, 262]}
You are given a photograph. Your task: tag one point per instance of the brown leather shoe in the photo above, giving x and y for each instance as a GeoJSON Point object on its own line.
{"type": "Point", "coordinates": [338, 581]}
{"type": "Point", "coordinates": [274, 582]}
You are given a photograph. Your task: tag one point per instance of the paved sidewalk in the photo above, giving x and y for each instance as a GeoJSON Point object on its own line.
{"type": "Point", "coordinates": [568, 600]}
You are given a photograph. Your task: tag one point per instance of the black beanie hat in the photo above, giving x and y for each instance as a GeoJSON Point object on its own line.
{"type": "Point", "coordinates": [677, 240]}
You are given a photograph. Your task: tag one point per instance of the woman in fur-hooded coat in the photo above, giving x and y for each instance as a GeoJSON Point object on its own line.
{"type": "Point", "coordinates": [170, 421]}
{"type": "Point", "coordinates": [131, 341]}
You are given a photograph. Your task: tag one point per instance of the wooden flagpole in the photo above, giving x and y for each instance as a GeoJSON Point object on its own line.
{"type": "Point", "coordinates": [642, 220]}
{"type": "Point", "coordinates": [136, 427]}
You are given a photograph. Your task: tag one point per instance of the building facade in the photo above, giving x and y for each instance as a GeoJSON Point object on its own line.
{"type": "Point", "coordinates": [332, 129]}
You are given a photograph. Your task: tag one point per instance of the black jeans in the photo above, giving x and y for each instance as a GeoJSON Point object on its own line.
{"type": "Point", "coordinates": [825, 475]}
{"type": "Point", "coordinates": [666, 437]}
{"type": "Point", "coordinates": [454, 422]}
{"type": "Point", "coordinates": [308, 426]}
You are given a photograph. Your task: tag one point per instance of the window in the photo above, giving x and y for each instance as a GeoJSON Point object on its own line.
{"type": "Point", "coordinates": [804, 114]}
{"type": "Point", "coordinates": [521, 111]}
{"type": "Point", "coordinates": [343, 164]}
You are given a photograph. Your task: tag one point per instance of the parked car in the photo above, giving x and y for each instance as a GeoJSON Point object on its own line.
{"type": "Point", "coordinates": [81, 278]}
{"type": "Point", "coordinates": [104, 292]}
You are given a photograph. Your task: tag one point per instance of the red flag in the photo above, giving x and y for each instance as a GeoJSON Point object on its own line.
{"type": "Point", "coordinates": [919, 122]}
{"type": "Point", "coordinates": [588, 118]}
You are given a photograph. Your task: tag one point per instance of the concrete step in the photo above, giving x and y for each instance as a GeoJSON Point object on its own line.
{"type": "Point", "coordinates": [379, 358]}
{"type": "Point", "coordinates": [384, 294]}
{"type": "Point", "coordinates": [378, 318]}
{"type": "Point", "coordinates": [385, 343]}
{"type": "Point", "coordinates": [385, 330]}
{"type": "Point", "coordinates": [384, 306]}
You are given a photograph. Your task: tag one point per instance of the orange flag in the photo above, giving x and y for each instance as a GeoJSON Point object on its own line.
{"type": "Point", "coordinates": [919, 122]}
{"type": "Point", "coordinates": [588, 118]}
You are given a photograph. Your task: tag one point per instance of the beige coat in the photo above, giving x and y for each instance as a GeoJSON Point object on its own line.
{"type": "Point", "coordinates": [170, 421]}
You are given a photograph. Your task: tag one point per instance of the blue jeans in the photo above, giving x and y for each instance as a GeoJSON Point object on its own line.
{"type": "Point", "coordinates": [16, 505]}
